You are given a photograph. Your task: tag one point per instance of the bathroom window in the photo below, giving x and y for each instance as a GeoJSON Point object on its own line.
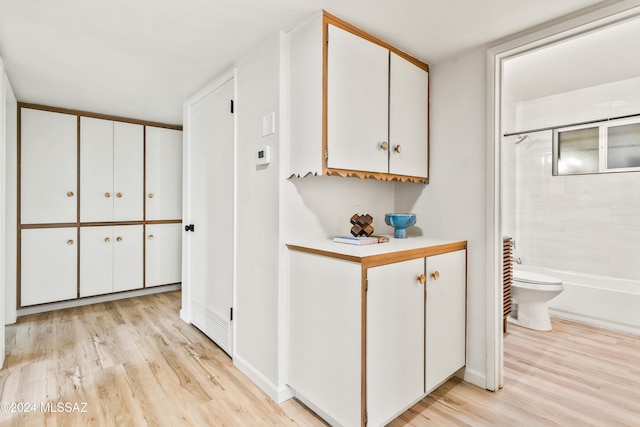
{"type": "Point", "coordinates": [612, 146]}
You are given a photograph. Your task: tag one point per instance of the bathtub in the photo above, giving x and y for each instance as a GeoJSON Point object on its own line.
{"type": "Point", "coordinates": [598, 300]}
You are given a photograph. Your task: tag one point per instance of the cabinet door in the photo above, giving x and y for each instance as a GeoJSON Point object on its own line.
{"type": "Point", "coordinates": [164, 173]}
{"type": "Point", "coordinates": [96, 261]}
{"type": "Point", "coordinates": [127, 257]}
{"type": "Point", "coordinates": [358, 103]}
{"type": "Point", "coordinates": [128, 171]}
{"type": "Point", "coordinates": [395, 339]}
{"type": "Point", "coordinates": [48, 167]}
{"type": "Point", "coordinates": [163, 251]}
{"type": "Point", "coordinates": [49, 260]}
{"type": "Point", "coordinates": [408, 118]}
{"type": "Point", "coordinates": [445, 317]}
{"type": "Point", "coordinates": [96, 169]}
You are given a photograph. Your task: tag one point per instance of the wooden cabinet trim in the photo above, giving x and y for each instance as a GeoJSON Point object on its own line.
{"type": "Point", "coordinates": [97, 115]}
{"type": "Point", "coordinates": [386, 258]}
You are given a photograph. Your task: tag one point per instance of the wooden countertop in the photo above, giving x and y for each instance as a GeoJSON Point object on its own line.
{"type": "Point", "coordinates": [395, 250]}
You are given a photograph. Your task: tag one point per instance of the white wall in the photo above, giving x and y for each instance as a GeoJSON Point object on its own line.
{"type": "Point", "coordinates": [257, 279]}
{"type": "Point", "coordinates": [583, 223]}
{"type": "Point", "coordinates": [10, 210]}
{"type": "Point", "coordinates": [453, 204]}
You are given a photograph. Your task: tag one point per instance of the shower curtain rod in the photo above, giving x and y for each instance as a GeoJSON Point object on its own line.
{"type": "Point", "coordinates": [571, 124]}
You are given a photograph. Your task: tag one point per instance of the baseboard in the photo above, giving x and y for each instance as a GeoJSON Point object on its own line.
{"type": "Point", "coordinates": [277, 393]}
{"type": "Point", "coordinates": [595, 321]}
{"type": "Point", "coordinates": [97, 299]}
{"type": "Point", "coordinates": [476, 378]}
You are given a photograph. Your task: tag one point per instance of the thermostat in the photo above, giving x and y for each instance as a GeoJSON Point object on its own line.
{"type": "Point", "coordinates": [263, 155]}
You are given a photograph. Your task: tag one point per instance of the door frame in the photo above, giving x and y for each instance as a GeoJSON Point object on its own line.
{"type": "Point", "coordinates": [185, 311]}
{"type": "Point", "coordinates": [574, 25]}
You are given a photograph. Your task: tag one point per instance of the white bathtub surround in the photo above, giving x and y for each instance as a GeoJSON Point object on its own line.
{"type": "Point", "coordinates": [603, 301]}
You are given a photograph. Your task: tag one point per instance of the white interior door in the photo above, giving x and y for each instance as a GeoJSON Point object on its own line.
{"type": "Point", "coordinates": [209, 255]}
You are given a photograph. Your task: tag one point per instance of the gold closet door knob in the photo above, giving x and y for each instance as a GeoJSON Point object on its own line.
{"type": "Point", "coordinates": [435, 275]}
{"type": "Point", "coordinates": [107, 239]}
{"type": "Point", "coordinates": [151, 237]}
{"type": "Point", "coordinates": [119, 195]}
{"type": "Point", "coordinates": [384, 145]}
{"type": "Point", "coordinates": [69, 193]}
{"type": "Point", "coordinates": [422, 279]}
{"type": "Point", "coordinates": [70, 242]}
{"type": "Point", "coordinates": [151, 195]}
{"type": "Point", "coordinates": [398, 149]}
{"type": "Point", "coordinates": [119, 239]}
{"type": "Point", "coordinates": [107, 195]}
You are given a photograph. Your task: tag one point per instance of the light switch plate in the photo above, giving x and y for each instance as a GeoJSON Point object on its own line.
{"type": "Point", "coordinates": [269, 124]}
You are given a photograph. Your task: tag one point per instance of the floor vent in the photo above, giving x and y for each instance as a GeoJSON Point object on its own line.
{"type": "Point", "coordinates": [214, 325]}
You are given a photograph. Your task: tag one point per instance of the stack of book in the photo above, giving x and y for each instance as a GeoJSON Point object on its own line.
{"type": "Point", "coordinates": [361, 240]}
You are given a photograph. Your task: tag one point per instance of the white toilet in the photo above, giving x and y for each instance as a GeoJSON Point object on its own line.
{"type": "Point", "coordinates": [531, 292]}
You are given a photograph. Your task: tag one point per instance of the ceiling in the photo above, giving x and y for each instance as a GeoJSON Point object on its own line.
{"type": "Point", "coordinates": [143, 58]}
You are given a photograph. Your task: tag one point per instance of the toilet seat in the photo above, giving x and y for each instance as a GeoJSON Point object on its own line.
{"type": "Point", "coordinates": [535, 278]}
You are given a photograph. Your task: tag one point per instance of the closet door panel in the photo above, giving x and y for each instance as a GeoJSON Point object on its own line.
{"type": "Point", "coordinates": [49, 265]}
{"type": "Point", "coordinates": [163, 254]}
{"type": "Point", "coordinates": [128, 171]}
{"type": "Point", "coordinates": [96, 170]}
{"type": "Point", "coordinates": [48, 167]}
{"type": "Point", "coordinates": [164, 173]}
{"type": "Point", "coordinates": [127, 257]}
{"type": "Point", "coordinates": [96, 260]}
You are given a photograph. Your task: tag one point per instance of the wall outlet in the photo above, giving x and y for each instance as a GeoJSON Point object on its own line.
{"type": "Point", "coordinates": [269, 124]}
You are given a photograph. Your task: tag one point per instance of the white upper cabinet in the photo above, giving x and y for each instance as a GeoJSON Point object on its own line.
{"type": "Point", "coordinates": [408, 118]}
{"type": "Point", "coordinates": [111, 155]}
{"type": "Point", "coordinates": [48, 167]}
{"type": "Point", "coordinates": [358, 103]}
{"type": "Point", "coordinates": [163, 174]}
{"type": "Point", "coordinates": [359, 106]}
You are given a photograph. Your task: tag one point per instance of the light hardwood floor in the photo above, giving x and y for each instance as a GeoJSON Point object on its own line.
{"type": "Point", "coordinates": [135, 363]}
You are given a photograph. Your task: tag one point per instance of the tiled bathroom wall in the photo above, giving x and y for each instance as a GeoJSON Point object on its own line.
{"type": "Point", "coordinates": [581, 223]}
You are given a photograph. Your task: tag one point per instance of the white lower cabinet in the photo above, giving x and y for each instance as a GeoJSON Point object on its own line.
{"type": "Point", "coordinates": [163, 254]}
{"type": "Point", "coordinates": [49, 259]}
{"type": "Point", "coordinates": [111, 259]}
{"type": "Point", "coordinates": [371, 331]}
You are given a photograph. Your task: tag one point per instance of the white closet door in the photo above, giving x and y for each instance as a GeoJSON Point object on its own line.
{"type": "Point", "coordinates": [128, 171]}
{"type": "Point", "coordinates": [49, 259]}
{"type": "Point", "coordinates": [127, 257]}
{"type": "Point", "coordinates": [209, 206]}
{"type": "Point", "coordinates": [48, 167]}
{"type": "Point", "coordinates": [358, 103]}
{"type": "Point", "coordinates": [164, 173]}
{"type": "Point", "coordinates": [408, 118]}
{"type": "Point", "coordinates": [163, 249]}
{"type": "Point", "coordinates": [96, 170]}
{"type": "Point", "coordinates": [96, 260]}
